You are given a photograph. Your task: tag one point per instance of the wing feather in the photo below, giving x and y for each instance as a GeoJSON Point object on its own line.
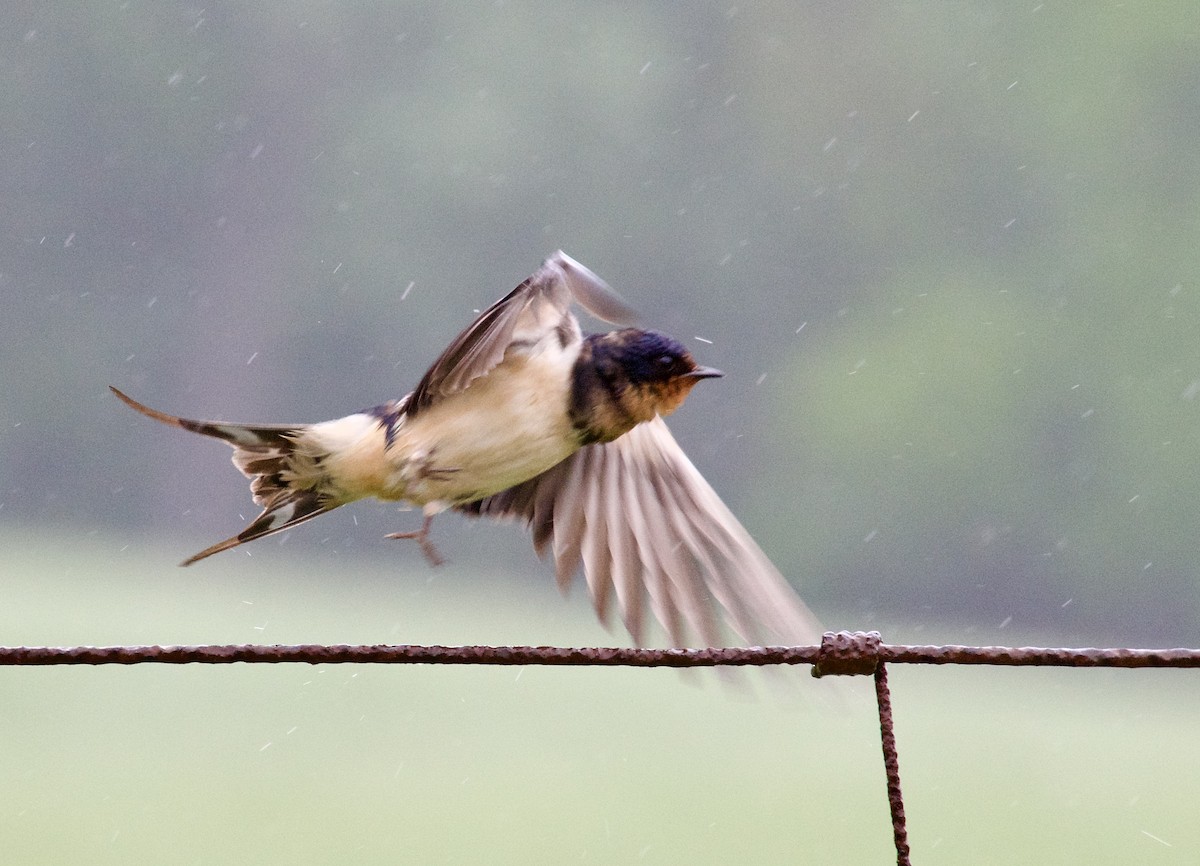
{"type": "Point", "coordinates": [678, 563]}
{"type": "Point", "coordinates": [593, 547]}
{"type": "Point", "coordinates": [564, 521]}
{"type": "Point", "coordinates": [534, 309]}
{"type": "Point", "coordinates": [624, 557]}
{"type": "Point", "coordinates": [643, 522]}
{"type": "Point", "coordinates": [669, 608]}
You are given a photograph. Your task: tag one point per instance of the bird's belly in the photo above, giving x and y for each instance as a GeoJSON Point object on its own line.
{"type": "Point", "coordinates": [504, 429]}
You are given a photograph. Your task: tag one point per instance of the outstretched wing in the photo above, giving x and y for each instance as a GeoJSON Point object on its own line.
{"type": "Point", "coordinates": [648, 528]}
{"type": "Point", "coordinates": [537, 308]}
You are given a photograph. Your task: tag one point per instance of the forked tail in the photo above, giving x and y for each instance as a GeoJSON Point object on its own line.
{"type": "Point", "coordinates": [285, 475]}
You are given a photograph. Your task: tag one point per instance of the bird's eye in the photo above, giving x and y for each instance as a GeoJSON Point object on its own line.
{"type": "Point", "coordinates": [665, 360]}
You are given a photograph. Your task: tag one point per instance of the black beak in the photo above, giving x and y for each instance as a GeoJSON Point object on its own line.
{"type": "Point", "coordinates": [704, 373]}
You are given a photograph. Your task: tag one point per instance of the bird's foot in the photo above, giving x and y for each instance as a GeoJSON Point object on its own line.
{"type": "Point", "coordinates": [422, 538]}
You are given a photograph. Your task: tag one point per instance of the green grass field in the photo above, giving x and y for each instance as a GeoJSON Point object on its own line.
{"type": "Point", "coordinates": [400, 764]}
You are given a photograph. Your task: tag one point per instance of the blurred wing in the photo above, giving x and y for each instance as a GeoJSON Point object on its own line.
{"type": "Point", "coordinates": [533, 310]}
{"type": "Point", "coordinates": [649, 529]}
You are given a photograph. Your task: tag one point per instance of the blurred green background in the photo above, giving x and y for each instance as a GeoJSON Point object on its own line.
{"type": "Point", "coordinates": [948, 255]}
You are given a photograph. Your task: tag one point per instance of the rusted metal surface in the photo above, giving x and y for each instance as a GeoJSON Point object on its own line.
{"type": "Point", "coordinates": [1042, 656]}
{"type": "Point", "coordinates": [859, 652]}
{"type": "Point", "coordinates": [318, 654]}
{"type": "Point", "coordinates": [891, 765]}
{"type": "Point", "coordinates": [844, 653]}
{"type": "Point", "coordinates": [840, 654]}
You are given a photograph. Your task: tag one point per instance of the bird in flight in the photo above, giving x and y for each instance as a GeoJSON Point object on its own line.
{"type": "Point", "coordinates": [524, 417]}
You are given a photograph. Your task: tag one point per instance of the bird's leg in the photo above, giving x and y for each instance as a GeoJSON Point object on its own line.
{"type": "Point", "coordinates": [422, 537]}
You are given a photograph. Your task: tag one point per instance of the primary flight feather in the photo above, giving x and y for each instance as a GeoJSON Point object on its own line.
{"type": "Point", "coordinates": [523, 417]}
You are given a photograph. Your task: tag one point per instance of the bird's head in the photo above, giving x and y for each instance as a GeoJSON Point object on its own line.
{"type": "Point", "coordinates": [659, 368]}
{"type": "Point", "coordinates": [638, 374]}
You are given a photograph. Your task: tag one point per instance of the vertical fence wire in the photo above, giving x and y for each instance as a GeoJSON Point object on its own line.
{"type": "Point", "coordinates": [891, 765]}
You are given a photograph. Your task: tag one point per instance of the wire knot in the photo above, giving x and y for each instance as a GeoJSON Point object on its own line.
{"type": "Point", "coordinates": [848, 653]}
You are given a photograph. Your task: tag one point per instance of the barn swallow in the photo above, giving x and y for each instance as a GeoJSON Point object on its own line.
{"type": "Point", "coordinates": [524, 417]}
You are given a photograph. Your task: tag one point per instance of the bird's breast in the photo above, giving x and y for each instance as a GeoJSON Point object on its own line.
{"type": "Point", "coordinates": [505, 428]}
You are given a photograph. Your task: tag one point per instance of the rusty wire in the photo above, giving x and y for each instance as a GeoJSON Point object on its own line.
{"type": "Point", "coordinates": [840, 654]}
{"type": "Point", "coordinates": [891, 765]}
{"type": "Point", "coordinates": [320, 654]}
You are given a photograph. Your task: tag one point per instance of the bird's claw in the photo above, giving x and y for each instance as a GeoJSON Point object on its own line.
{"type": "Point", "coordinates": [421, 536]}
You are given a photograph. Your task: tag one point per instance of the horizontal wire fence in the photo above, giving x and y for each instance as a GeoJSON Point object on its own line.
{"type": "Point", "coordinates": [840, 654]}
